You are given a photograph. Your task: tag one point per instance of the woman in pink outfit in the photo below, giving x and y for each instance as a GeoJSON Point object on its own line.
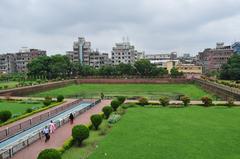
{"type": "Point", "coordinates": [52, 127]}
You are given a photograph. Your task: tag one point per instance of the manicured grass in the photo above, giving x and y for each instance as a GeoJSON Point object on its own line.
{"type": "Point", "coordinates": [11, 84]}
{"type": "Point", "coordinates": [173, 133]}
{"type": "Point", "coordinates": [16, 107]}
{"type": "Point", "coordinates": [152, 91]}
{"type": "Point", "coordinates": [88, 146]}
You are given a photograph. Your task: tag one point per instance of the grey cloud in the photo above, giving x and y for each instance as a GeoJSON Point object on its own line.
{"type": "Point", "coordinates": [152, 25]}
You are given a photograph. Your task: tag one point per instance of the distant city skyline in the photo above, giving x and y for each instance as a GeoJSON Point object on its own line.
{"type": "Point", "coordinates": [153, 26]}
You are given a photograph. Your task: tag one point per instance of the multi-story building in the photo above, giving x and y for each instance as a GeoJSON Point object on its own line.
{"type": "Point", "coordinates": [7, 63]}
{"type": "Point", "coordinates": [24, 56]}
{"type": "Point", "coordinates": [212, 59]}
{"type": "Point", "coordinates": [81, 51]}
{"type": "Point", "coordinates": [189, 68]}
{"type": "Point", "coordinates": [161, 59]}
{"type": "Point", "coordinates": [125, 53]}
{"type": "Point", "coordinates": [83, 54]}
{"type": "Point", "coordinates": [236, 47]}
{"type": "Point", "coordinates": [96, 59]}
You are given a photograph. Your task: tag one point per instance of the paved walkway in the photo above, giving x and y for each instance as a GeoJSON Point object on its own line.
{"type": "Point", "coordinates": [61, 134]}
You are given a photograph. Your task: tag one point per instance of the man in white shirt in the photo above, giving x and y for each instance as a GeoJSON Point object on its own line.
{"type": "Point", "coordinates": [46, 133]}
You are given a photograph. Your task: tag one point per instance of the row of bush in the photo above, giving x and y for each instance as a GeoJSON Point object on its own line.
{"type": "Point", "coordinates": [234, 84]}
{"type": "Point", "coordinates": [164, 101]}
{"type": "Point", "coordinates": [48, 100]}
{"type": "Point", "coordinates": [82, 132]}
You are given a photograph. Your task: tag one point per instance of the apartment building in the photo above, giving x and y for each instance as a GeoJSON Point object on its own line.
{"type": "Point", "coordinates": [82, 53]}
{"type": "Point", "coordinates": [96, 59]}
{"type": "Point", "coordinates": [24, 56]}
{"type": "Point", "coordinates": [7, 63]}
{"type": "Point", "coordinates": [125, 53]}
{"type": "Point", "coordinates": [160, 60]}
{"type": "Point", "coordinates": [211, 59]}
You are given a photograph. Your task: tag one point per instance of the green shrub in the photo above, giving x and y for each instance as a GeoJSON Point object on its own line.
{"type": "Point", "coordinates": [96, 120]}
{"type": "Point", "coordinates": [5, 115]}
{"type": "Point", "coordinates": [48, 98]}
{"type": "Point", "coordinates": [230, 102]}
{"type": "Point", "coordinates": [164, 101]}
{"type": "Point", "coordinates": [80, 133]}
{"type": "Point", "coordinates": [47, 102]}
{"type": "Point", "coordinates": [5, 87]}
{"type": "Point", "coordinates": [114, 118]}
{"type": "Point", "coordinates": [185, 100]}
{"type": "Point", "coordinates": [107, 110]}
{"type": "Point", "coordinates": [39, 81]}
{"type": "Point", "coordinates": [121, 99]}
{"type": "Point", "coordinates": [115, 104]}
{"type": "Point", "coordinates": [143, 101]}
{"type": "Point", "coordinates": [60, 98]}
{"type": "Point", "coordinates": [206, 101]}
{"type": "Point", "coordinates": [29, 110]}
{"type": "Point", "coordinates": [49, 154]}
{"type": "Point", "coordinates": [102, 95]}
{"type": "Point", "coordinates": [121, 111]}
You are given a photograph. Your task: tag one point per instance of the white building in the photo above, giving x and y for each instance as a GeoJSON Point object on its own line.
{"type": "Point", "coordinates": [125, 53]}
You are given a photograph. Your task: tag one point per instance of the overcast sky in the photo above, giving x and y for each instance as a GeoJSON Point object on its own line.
{"type": "Point", "coordinates": [154, 26]}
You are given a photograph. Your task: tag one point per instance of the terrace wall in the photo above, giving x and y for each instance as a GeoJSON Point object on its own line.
{"type": "Point", "coordinates": [222, 91]}
{"type": "Point", "coordinates": [133, 80]}
{"type": "Point", "coordinates": [34, 89]}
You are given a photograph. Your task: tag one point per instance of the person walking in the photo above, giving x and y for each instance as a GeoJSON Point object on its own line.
{"type": "Point", "coordinates": [52, 127]}
{"type": "Point", "coordinates": [46, 133]}
{"type": "Point", "coordinates": [71, 117]}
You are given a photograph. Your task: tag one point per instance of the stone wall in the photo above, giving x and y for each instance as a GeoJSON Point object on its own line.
{"type": "Point", "coordinates": [34, 89]}
{"type": "Point", "coordinates": [224, 92]}
{"type": "Point", "coordinates": [138, 80]}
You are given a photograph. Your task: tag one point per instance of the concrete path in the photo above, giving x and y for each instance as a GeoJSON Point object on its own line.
{"type": "Point", "coordinates": [61, 134]}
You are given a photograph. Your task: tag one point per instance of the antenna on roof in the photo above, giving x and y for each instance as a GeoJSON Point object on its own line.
{"type": "Point", "coordinates": [123, 39]}
{"type": "Point", "coordinates": [127, 39]}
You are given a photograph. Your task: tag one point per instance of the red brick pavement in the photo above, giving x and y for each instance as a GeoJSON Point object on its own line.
{"type": "Point", "coordinates": [62, 134]}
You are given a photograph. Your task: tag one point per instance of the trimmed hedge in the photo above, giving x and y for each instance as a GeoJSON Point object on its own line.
{"type": "Point", "coordinates": [143, 101]}
{"type": "Point", "coordinates": [49, 154]}
{"type": "Point", "coordinates": [121, 99]}
{"type": "Point", "coordinates": [29, 114]}
{"type": "Point", "coordinates": [206, 101]}
{"type": "Point", "coordinates": [115, 104]}
{"type": "Point", "coordinates": [107, 111]}
{"type": "Point", "coordinates": [5, 115]}
{"type": "Point", "coordinates": [80, 133]}
{"type": "Point", "coordinates": [186, 100]}
{"type": "Point", "coordinates": [164, 101]}
{"type": "Point", "coordinates": [96, 120]}
{"type": "Point", "coordinates": [60, 98]}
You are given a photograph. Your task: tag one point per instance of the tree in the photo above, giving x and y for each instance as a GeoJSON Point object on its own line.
{"type": "Point", "coordinates": [107, 111]}
{"type": "Point", "coordinates": [175, 73]}
{"type": "Point", "coordinates": [96, 120]}
{"type": "Point", "coordinates": [49, 154]}
{"type": "Point", "coordinates": [80, 133]}
{"type": "Point", "coordinates": [231, 70]}
{"type": "Point", "coordinates": [115, 104]}
{"type": "Point", "coordinates": [144, 67]}
{"type": "Point", "coordinates": [125, 69]}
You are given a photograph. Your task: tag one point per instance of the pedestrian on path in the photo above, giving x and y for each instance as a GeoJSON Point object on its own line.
{"type": "Point", "coordinates": [46, 133]}
{"type": "Point", "coordinates": [71, 117]}
{"type": "Point", "coordinates": [52, 127]}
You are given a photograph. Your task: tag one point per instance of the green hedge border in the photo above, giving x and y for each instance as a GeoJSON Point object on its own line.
{"type": "Point", "coordinates": [32, 113]}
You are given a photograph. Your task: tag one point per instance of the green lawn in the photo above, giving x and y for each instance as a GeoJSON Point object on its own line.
{"type": "Point", "coordinates": [11, 84]}
{"type": "Point", "coordinates": [173, 133]}
{"type": "Point", "coordinates": [152, 91]}
{"type": "Point", "coordinates": [16, 107]}
{"type": "Point", "coordinates": [89, 145]}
